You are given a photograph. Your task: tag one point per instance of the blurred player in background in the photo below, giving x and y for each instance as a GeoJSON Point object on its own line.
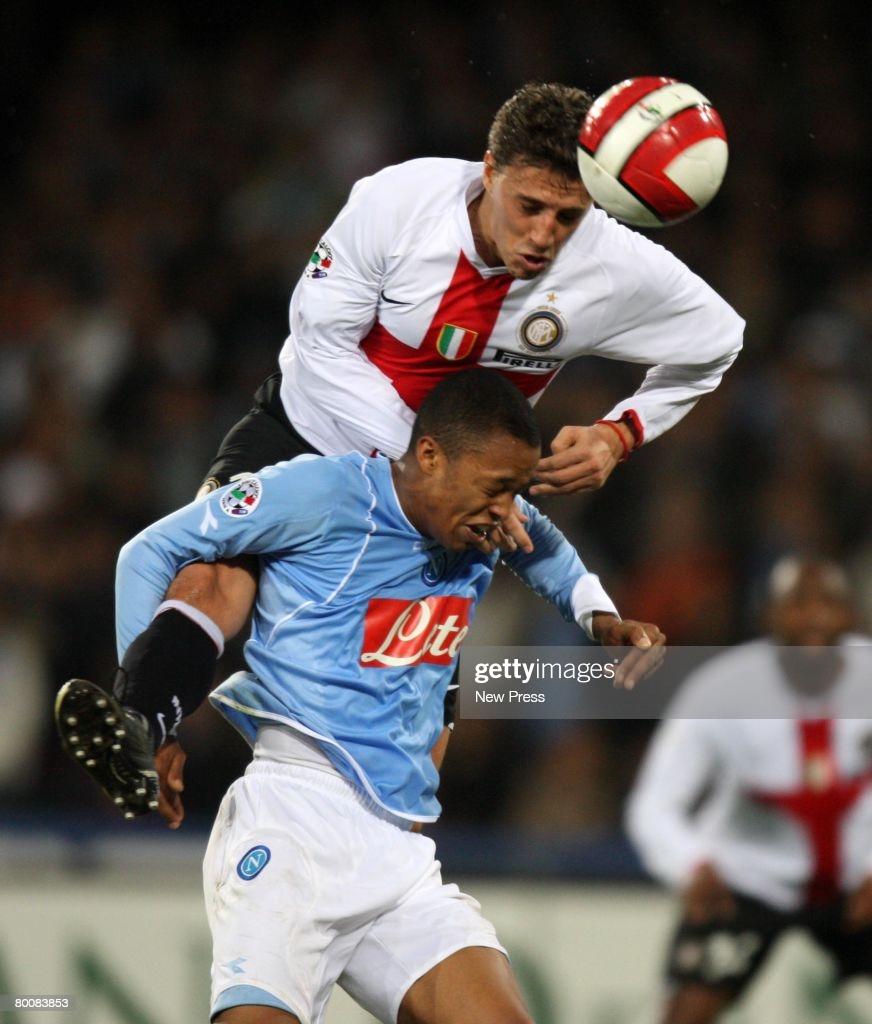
{"type": "Point", "coordinates": [437, 265]}
{"type": "Point", "coordinates": [765, 823]}
{"type": "Point", "coordinates": [370, 573]}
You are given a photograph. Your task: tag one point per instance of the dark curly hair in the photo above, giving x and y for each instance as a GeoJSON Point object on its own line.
{"type": "Point", "coordinates": [466, 409]}
{"type": "Point", "coordinates": [538, 126]}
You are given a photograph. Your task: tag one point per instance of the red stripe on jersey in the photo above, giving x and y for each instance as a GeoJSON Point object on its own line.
{"type": "Point", "coordinates": [599, 121]}
{"type": "Point", "coordinates": [471, 303]}
{"type": "Point", "coordinates": [643, 172]}
{"type": "Point", "coordinates": [819, 804]}
{"type": "Point", "coordinates": [528, 384]}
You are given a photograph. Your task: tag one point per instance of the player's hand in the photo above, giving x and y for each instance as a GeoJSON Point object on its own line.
{"type": "Point", "coordinates": [507, 533]}
{"type": "Point", "coordinates": [646, 643]}
{"type": "Point", "coordinates": [170, 763]}
{"type": "Point", "coordinates": [858, 909]}
{"type": "Point", "coordinates": [707, 898]}
{"type": "Point", "coordinates": [512, 535]}
{"type": "Point", "coordinates": [582, 459]}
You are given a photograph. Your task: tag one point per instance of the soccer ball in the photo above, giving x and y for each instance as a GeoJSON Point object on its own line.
{"type": "Point", "coordinates": [652, 151]}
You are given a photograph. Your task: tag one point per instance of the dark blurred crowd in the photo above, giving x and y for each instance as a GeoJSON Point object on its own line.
{"type": "Point", "coordinates": [166, 173]}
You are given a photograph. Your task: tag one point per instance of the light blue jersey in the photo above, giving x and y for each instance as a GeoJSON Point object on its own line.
{"type": "Point", "coordinates": [359, 618]}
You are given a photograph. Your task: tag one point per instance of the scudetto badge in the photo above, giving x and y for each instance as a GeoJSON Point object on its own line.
{"type": "Point", "coordinates": [542, 329]}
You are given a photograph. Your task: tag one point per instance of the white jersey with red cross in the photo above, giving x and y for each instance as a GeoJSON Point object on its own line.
{"type": "Point", "coordinates": [787, 816]}
{"type": "Point", "coordinates": [395, 297]}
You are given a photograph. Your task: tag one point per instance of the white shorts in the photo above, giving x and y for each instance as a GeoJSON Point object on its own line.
{"type": "Point", "coordinates": [307, 886]}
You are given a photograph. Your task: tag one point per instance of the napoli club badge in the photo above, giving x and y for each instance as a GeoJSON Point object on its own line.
{"type": "Point", "coordinates": [436, 568]}
{"type": "Point", "coordinates": [253, 862]}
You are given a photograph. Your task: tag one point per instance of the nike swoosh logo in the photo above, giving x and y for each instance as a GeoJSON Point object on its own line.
{"type": "Point", "coordinates": [392, 302]}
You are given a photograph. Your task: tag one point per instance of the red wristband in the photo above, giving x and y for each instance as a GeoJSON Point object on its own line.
{"type": "Point", "coordinates": [620, 433]}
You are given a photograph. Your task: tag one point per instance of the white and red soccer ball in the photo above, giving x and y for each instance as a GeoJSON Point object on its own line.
{"type": "Point", "coordinates": [652, 151]}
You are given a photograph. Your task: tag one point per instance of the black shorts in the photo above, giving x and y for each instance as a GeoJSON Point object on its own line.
{"type": "Point", "coordinates": [262, 437]}
{"type": "Point", "coordinates": [728, 954]}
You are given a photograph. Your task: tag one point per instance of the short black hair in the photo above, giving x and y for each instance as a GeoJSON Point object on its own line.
{"type": "Point", "coordinates": [788, 572]}
{"type": "Point", "coordinates": [538, 126]}
{"type": "Point", "coordinates": [470, 406]}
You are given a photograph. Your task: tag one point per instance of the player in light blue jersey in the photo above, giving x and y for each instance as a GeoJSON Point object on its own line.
{"type": "Point", "coordinates": [369, 576]}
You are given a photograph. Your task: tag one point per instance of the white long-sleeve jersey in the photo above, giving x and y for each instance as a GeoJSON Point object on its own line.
{"type": "Point", "coordinates": [395, 297]}
{"type": "Point", "coordinates": [788, 816]}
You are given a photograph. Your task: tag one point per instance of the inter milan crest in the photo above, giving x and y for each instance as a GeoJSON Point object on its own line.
{"type": "Point", "coordinates": [542, 329]}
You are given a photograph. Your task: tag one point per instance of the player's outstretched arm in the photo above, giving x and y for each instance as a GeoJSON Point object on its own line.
{"type": "Point", "coordinates": [554, 570]}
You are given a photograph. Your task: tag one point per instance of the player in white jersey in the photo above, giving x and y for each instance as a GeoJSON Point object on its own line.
{"type": "Point", "coordinates": [776, 733]}
{"type": "Point", "coordinates": [370, 573]}
{"type": "Point", "coordinates": [438, 264]}
{"type": "Point", "coordinates": [398, 296]}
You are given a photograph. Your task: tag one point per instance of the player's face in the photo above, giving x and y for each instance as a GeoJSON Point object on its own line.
{"type": "Point", "coordinates": [813, 611]}
{"type": "Point", "coordinates": [467, 496]}
{"type": "Point", "coordinates": [526, 216]}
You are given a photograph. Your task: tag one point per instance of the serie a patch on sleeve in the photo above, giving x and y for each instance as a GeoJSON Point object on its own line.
{"type": "Point", "coordinates": [320, 261]}
{"type": "Point", "coordinates": [242, 498]}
